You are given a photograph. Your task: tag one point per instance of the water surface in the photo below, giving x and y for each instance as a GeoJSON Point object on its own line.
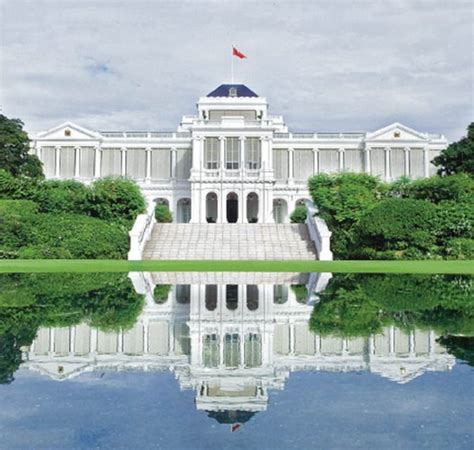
{"type": "Point", "coordinates": [227, 360]}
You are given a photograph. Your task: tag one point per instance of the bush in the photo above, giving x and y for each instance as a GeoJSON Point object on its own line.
{"type": "Point", "coordinates": [298, 215]}
{"type": "Point", "coordinates": [342, 200]}
{"type": "Point", "coordinates": [454, 219]}
{"type": "Point", "coordinates": [460, 248]}
{"type": "Point", "coordinates": [402, 225]}
{"type": "Point", "coordinates": [116, 199]}
{"type": "Point", "coordinates": [437, 189]}
{"type": "Point", "coordinates": [163, 214]}
{"type": "Point", "coordinates": [75, 236]}
{"type": "Point", "coordinates": [53, 196]}
{"type": "Point", "coordinates": [161, 292]}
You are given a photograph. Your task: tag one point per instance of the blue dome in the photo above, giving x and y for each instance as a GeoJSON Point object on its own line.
{"type": "Point", "coordinates": [232, 90]}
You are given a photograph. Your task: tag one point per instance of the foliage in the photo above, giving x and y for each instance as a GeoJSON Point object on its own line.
{"type": "Point", "coordinates": [458, 157]}
{"type": "Point", "coordinates": [342, 200]}
{"type": "Point", "coordinates": [105, 300]}
{"type": "Point", "coordinates": [458, 188]}
{"type": "Point", "coordinates": [298, 215]}
{"type": "Point", "coordinates": [462, 347]}
{"type": "Point", "coordinates": [14, 150]}
{"type": "Point", "coordinates": [300, 291]}
{"type": "Point", "coordinates": [163, 214]}
{"type": "Point", "coordinates": [25, 233]}
{"type": "Point", "coordinates": [161, 292]}
{"type": "Point", "coordinates": [361, 305]}
{"type": "Point", "coordinates": [402, 228]}
{"type": "Point", "coordinates": [116, 199]}
{"type": "Point", "coordinates": [460, 248]}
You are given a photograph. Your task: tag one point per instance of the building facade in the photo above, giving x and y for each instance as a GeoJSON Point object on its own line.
{"type": "Point", "coordinates": [232, 162]}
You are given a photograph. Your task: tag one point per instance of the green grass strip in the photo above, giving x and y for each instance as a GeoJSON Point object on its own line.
{"type": "Point", "coordinates": [68, 265]}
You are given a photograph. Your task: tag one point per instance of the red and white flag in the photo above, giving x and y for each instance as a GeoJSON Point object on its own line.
{"type": "Point", "coordinates": [238, 53]}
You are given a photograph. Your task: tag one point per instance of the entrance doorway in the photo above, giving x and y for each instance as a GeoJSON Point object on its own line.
{"type": "Point", "coordinates": [232, 207]}
{"type": "Point", "coordinates": [280, 210]}
{"type": "Point", "coordinates": [184, 210]}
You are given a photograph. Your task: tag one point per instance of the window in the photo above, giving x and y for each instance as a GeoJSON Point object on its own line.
{"type": "Point", "coordinates": [232, 153]}
{"type": "Point", "coordinates": [211, 297]}
{"type": "Point", "coordinates": [211, 153]}
{"type": "Point", "coordinates": [232, 92]}
{"type": "Point", "coordinates": [253, 154]}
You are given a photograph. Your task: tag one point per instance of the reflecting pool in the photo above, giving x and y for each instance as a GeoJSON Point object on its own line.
{"type": "Point", "coordinates": [227, 360]}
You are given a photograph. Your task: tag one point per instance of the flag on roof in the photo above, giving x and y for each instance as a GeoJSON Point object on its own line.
{"type": "Point", "coordinates": [238, 53]}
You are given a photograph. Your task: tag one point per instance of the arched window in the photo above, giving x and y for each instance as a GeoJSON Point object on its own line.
{"type": "Point", "coordinates": [280, 294]}
{"type": "Point", "coordinates": [232, 296]}
{"type": "Point", "coordinates": [252, 297]}
{"type": "Point", "coordinates": [211, 297]}
{"type": "Point", "coordinates": [183, 294]}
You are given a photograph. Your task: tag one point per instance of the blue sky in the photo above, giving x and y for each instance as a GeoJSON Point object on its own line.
{"type": "Point", "coordinates": [325, 65]}
{"type": "Point", "coordinates": [315, 410]}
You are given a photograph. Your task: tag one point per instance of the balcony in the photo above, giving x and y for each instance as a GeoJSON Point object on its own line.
{"type": "Point", "coordinates": [226, 174]}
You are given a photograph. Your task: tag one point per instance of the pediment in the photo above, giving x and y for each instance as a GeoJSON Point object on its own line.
{"type": "Point", "coordinates": [68, 130]}
{"type": "Point", "coordinates": [59, 370]}
{"type": "Point", "coordinates": [396, 131]}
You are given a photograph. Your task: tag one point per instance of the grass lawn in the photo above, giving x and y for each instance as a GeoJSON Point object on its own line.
{"type": "Point", "coordinates": [68, 265]}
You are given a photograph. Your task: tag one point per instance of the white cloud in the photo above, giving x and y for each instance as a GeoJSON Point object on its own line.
{"type": "Point", "coordinates": [340, 65]}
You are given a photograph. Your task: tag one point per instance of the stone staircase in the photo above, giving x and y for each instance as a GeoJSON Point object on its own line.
{"type": "Point", "coordinates": [229, 242]}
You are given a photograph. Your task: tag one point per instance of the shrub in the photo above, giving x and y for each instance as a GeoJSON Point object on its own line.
{"type": "Point", "coordinates": [161, 292]}
{"type": "Point", "coordinates": [53, 196]}
{"type": "Point", "coordinates": [437, 189]}
{"type": "Point", "coordinates": [75, 236]}
{"type": "Point", "coordinates": [163, 214]}
{"type": "Point", "coordinates": [298, 215]}
{"type": "Point", "coordinates": [342, 200]}
{"type": "Point", "coordinates": [460, 248]}
{"type": "Point", "coordinates": [16, 222]}
{"type": "Point", "coordinates": [454, 219]}
{"type": "Point", "coordinates": [116, 199]}
{"type": "Point", "coordinates": [402, 225]}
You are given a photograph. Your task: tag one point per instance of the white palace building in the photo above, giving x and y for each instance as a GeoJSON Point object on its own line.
{"type": "Point", "coordinates": [232, 162]}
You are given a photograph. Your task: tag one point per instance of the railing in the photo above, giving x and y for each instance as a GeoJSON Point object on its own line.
{"type": "Point", "coordinates": [319, 135]}
{"type": "Point", "coordinates": [141, 232]}
{"type": "Point", "coordinates": [145, 134]}
{"type": "Point", "coordinates": [227, 173]}
{"type": "Point", "coordinates": [318, 232]}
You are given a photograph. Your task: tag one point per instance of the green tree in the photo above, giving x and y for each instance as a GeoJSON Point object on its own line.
{"type": "Point", "coordinates": [14, 150]}
{"type": "Point", "coordinates": [459, 156]}
{"type": "Point", "coordinates": [298, 215]}
{"type": "Point", "coordinates": [163, 214]}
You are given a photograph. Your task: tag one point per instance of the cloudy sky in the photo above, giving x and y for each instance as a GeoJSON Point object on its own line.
{"type": "Point", "coordinates": [339, 65]}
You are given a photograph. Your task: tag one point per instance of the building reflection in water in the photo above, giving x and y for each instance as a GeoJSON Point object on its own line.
{"type": "Point", "coordinates": [231, 337]}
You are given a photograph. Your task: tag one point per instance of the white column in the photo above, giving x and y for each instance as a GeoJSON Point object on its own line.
{"type": "Point", "coordinates": [411, 343]}
{"type": "Point", "coordinates": [77, 161]}
{"type": "Point", "coordinates": [266, 150]}
{"type": "Point", "coordinates": [173, 162]}
{"type": "Point", "coordinates": [292, 338]}
{"type": "Point", "coordinates": [124, 161]}
{"type": "Point", "coordinates": [426, 161]}
{"type": "Point", "coordinates": [72, 340]}
{"type": "Point", "coordinates": [222, 153]}
{"type": "Point", "coordinates": [93, 341]}
{"type": "Point", "coordinates": [57, 161]}
{"type": "Point", "coordinates": [391, 344]}
{"type": "Point", "coordinates": [407, 161]}
{"type": "Point", "coordinates": [148, 164]}
{"type": "Point", "coordinates": [315, 161]}
{"type": "Point", "coordinates": [388, 176]}
{"type": "Point", "coordinates": [317, 344]}
{"type": "Point", "coordinates": [290, 166]}
{"type": "Point", "coordinates": [367, 167]}
{"type": "Point", "coordinates": [431, 342]}
{"type": "Point", "coordinates": [341, 160]}
{"type": "Point", "coordinates": [51, 341]}
{"type": "Point", "coordinates": [97, 168]}
{"type": "Point", "coordinates": [242, 154]}
{"type": "Point", "coordinates": [120, 342]}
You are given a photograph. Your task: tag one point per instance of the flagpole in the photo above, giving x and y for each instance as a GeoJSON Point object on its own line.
{"type": "Point", "coordinates": [232, 65]}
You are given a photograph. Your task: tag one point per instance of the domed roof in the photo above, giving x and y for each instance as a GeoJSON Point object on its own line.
{"type": "Point", "coordinates": [231, 416]}
{"type": "Point", "coordinates": [232, 90]}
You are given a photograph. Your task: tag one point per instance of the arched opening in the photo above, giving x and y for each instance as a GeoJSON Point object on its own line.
{"type": "Point", "coordinates": [211, 207]}
{"type": "Point", "coordinates": [300, 202]}
{"type": "Point", "coordinates": [183, 294]}
{"type": "Point", "coordinates": [232, 296]}
{"type": "Point", "coordinates": [184, 210]}
{"type": "Point", "coordinates": [162, 201]}
{"type": "Point", "coordinates": [280, 294]}
{"type": "Point", "coordinates": [211, 297]}
{"type": "Point", "coordinates": [280, 210]}
{"type": "Point", "coordinates": [252, 297]}
{"type": "Point", "coordinates": [252, 207]}
{"type": "Point", "coordinates": [232, 207]}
